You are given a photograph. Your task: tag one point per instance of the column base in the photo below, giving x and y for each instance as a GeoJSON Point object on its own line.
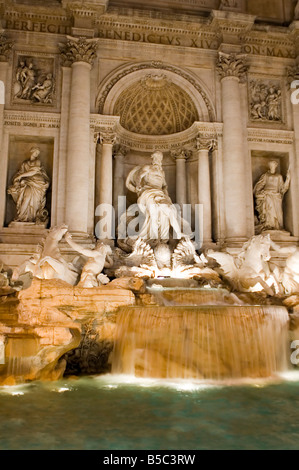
{"type": "Point", "coordinates": [235, 242]}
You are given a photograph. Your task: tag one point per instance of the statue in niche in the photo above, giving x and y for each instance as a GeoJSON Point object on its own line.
{"type": "Point", "coordinates": [98, 259]}
{"type": "Point", "coordinates": [269, 192]}
{"type": "Point", "coordinates": [28, 190]}
{"type": "Point", "coordinates": [154, 203]}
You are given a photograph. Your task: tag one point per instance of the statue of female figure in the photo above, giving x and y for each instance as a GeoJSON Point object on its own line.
{"type": "Point", "coordinates": [28, 190]}
{"type": "Point", "coordinates": [269, 192]}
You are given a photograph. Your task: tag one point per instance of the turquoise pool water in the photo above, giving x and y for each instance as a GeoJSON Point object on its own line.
{"type": "Point", "coordinates": [122, 413]}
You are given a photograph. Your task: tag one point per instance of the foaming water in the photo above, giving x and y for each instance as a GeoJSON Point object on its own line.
{"type": "Point", "coordinates": [201, 343]}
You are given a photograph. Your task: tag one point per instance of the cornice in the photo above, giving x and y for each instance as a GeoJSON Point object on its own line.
{"type": "Point", "coordinates": [41, 12]}
{"type": "Point", "coordinates": [93, 19]}
{"type": "Point", "coordinates": [186, 139]}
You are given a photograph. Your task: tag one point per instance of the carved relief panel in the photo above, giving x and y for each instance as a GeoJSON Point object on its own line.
{"type": "Point", "coordinates": [265, 101]}
{"type": "Point", "coordinates": [34, 80]}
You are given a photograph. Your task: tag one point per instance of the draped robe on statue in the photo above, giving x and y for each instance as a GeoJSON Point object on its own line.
{"type": "Point", "coordinates": [29, 191]}
{"type": "Point", "coordinates": [269, 192]}
{"type": "Point", "coordinates": [154, 203]}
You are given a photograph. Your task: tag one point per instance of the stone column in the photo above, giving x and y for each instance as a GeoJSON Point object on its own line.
{"type": "Point", "coordinates": [181, 176]}
{"type": "Point", "coordinates": [293, 80]}
{"type": "Point", "coordinates": [63, 141]}
{"type": "Point", "coordinates": [107, 140]}
{"type": "Point", "coordinates": [80, 54]}
{"type": "Point", "coordinates": [204, 185]}
{"type": "Point", "coordinates": [232, 70]}
{"type": "Point", "coordinates": [293, 83]}
{"type": "Point", "coordinates": [5, 50]}
{"type": "Point", "coordinates": [119, 187]}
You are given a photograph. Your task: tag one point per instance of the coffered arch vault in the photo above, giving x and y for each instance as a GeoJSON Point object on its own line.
{"type": "Point", "coordinates": [154, 98]}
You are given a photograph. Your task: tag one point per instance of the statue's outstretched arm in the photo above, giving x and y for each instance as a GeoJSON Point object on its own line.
{"type": "Point", "coordinates": [84, 251]}
{"type": "Point", "coordinates": [288, 250]}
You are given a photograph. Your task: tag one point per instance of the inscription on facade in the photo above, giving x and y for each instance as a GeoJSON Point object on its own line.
{"type": "Point", "coordinates": [271, 51]}
{"type": "Point", "coordinates": [37, 26]}
{"type": "Point", "coordinates": [156, 38]}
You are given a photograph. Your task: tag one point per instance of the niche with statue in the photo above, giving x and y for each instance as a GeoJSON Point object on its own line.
{"type": "Point", "coordinates": [29, 177]}
{"type": "Point", "coordinates": [272, 178]}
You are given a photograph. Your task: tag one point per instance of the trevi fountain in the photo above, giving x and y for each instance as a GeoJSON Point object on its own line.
{"type": "Point", "coordinates": [149, 233]}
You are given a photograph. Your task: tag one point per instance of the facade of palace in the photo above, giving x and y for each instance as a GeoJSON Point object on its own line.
{"type": "Point", "coordinates": [89, 90]}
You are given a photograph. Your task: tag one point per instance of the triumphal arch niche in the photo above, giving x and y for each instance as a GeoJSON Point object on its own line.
{"type": "Point", "coordinates": [93, 89]}
{"type": "Point", "coordinates": [161, 107]}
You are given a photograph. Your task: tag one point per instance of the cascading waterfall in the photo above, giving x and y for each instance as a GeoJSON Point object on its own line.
{"type": "Point", "coordinates": [201, 342]}
{"type": "Point", "coordinates": [21, 353]}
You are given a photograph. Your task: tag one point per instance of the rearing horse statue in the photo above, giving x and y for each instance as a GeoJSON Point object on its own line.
{"type": "Point", "coordinates": [249, 271]}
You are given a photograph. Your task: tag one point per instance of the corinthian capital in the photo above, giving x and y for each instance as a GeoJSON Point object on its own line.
{"type": "Point", "coordinates": [107, 136]}
{"type": "Point", "coordinates": [181, 154]}
{"type": "Point", "coordinates": [232, 65]}
{"type": "Point", "coordinates": [292, 74]}
{"type": "Point", "coordinates": [78, 50]}
{"type": "Point", "coordinates": [204, 143]}
{"type": "Point", "coordinates": [5, 47]}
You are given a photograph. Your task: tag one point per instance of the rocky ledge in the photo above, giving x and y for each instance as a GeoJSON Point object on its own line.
{"type": "Point", "coordinates": [40, 325]}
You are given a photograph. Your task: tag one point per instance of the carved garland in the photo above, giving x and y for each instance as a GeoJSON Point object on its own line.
{"type": "Point", "coordinates": [157, 65]}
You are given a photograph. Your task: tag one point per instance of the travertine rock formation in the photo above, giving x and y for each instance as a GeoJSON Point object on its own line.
{"type": "Point", "coordinates": [50, 318]}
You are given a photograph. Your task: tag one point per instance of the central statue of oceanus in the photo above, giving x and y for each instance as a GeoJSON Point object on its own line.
{"type": "Point", "coordinates": [161, 219]}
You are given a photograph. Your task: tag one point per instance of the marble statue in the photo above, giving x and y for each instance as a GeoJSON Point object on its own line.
{"type": "Point", "coordinates": [28, 190]}
{"type": "Point", "coordinates": [287, 277]}
{"type": "Point", "coordinates": [265, 101]}
{"type": "Point", "coordinates": [34, 84]}
{"type": "Point", "coordinates": [27, 81]}
{"type": "Point", "coordinates": [162, 261]}
{"type": "Point", "coordinates": [250, 270]}
{"type": "Point", "coordinates": [42, 92]}
{"type": "Point", "coordinates": [160, 214]}
{"type": "Point", "coordinates": [48, 262]}
{"type": "Point", "coordinates": [98, 259]}
{"type": "Point", "coordinates": [269, 192]}
{"type": "Point", "coordinates": [4, 281]}
{"type": "Point", "coordinates": [20, 78]}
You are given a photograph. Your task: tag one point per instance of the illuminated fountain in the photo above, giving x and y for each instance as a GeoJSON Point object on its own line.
{"type": "Point", "coordinates": [151, 307]}
{"type": "Point", "coordinates": [189, 324]}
